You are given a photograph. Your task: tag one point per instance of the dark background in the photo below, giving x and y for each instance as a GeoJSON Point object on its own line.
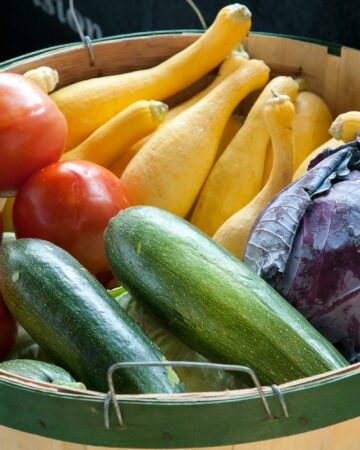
{"type": "Point", "coordinates": [27, 25]}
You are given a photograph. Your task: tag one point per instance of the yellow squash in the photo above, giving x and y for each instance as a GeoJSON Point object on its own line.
{"type": "Point", "coordinates": [236, 177]}
{"type": "Point", "coordinates": [121, 163]}
{"type": "Point", "coordinates": [312, 121]}
{"type": "Point", "coordinates": [233, 125]}
{"type": "Point", "coordinates": [89, 104]}
{"type": "Point", "coordinates": [45, 77]}
{"type": "Point", "coordinates": [346, 126]}
{"type": "Point", "coordinates": [105, 145]}
{"type": "Point", "coordinates": [7, 212]}
{"type": "Point", "coordinates": [171, 167]}
{"type": "Point", "coordinates": [268, 164]}
{"type": "Point", "coordinates": [231, 128]}
{"type": "Point", "coordinates": [234, 62]}
{"type": "Point", "coordinates": [302, 169]}
{"type": "Point", "coordinates": [279, 116]}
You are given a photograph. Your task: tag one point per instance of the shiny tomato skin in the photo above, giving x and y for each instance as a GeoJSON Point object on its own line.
{"type": "Point", "coordinates": [33, 131]}
{"type": "Point", "coordinates": [8, 330]}
{"type": "Point", "coordinates": [70, 204]}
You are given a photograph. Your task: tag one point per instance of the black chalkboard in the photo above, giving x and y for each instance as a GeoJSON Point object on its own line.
{"type": "Point", "coordinates": [27, 25]}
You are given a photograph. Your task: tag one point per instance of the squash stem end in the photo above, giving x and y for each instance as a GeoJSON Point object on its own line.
{"type": "Point", "coordinates": [158, 110]}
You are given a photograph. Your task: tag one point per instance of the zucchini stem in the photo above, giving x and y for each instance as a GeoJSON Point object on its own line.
{"type": "Point", "coordinates": [116, 291]}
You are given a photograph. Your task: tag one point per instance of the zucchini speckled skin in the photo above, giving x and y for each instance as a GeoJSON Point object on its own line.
{"type": "Point", "coordinates": [211, 300]}
{"type": "Point", "coordinates": [40, 371]}
{"type": "Point", "coordinates": [72, 317]}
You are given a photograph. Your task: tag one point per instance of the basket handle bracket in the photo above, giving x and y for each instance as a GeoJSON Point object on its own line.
{"type": "Point", "coordinates": [111, 395]}
{"type": "Point", "coordinates": [85, 39]}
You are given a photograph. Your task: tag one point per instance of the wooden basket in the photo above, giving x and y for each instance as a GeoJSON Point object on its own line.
{"type": "Point", "coordinates": [192, 420]}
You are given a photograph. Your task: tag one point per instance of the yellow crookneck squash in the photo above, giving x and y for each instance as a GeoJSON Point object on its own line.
{"type": "Point", "coordinates": [234, 62]}
{"type": "Point", "coordinates": [88, 104]}
{"type": "Point", "coordinates": [45, 77]}
{"type": "Point", "coordinates": [106, 144]}
{"type": "Point", "coordinates": [233, 125]}
{"type": "Point", "coordinates": [7, 212]}
{"type": "Point", "coordinates": [302, 169]}
{"type": "Point", "coordinates": [172, 166]}
{"type": "Point", "coordinates": [237, 176]}
{"type": "Point", "coordinates": [346, 126]}
{"type": "Point", "coordinates": [279, 115]}
{"type": "Point", "coordinates": [311, 124]}
{"type": "Point", "coordinates": [268, 164]}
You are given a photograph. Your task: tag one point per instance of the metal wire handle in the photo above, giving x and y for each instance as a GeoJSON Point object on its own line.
{"type": "Point", "coordinates": [280, 396]}
{"type": "Point", "coordinates": [197, 12]}
{"type": "Point", "coordinates": [85, 39]}
{"type": "Point", "coordinates": [111, 395]}
{"type": "Point", "coordinates": [88, 43]}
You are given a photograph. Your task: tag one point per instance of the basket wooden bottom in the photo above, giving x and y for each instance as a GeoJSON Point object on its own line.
{"type": "Point", "coordinates": [343, 436]}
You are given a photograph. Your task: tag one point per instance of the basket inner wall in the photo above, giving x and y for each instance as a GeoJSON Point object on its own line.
{"type": "Point", "coordinates": [333, 77]}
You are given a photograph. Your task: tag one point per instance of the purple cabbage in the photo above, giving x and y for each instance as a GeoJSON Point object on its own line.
{"type": "Point", "coordinates": [306, 244]}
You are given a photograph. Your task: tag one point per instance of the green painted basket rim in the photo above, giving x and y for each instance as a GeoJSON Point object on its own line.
{"type": "Point", "coordinates": [186, 398]}
{"type": "Point", "coordinates": [214, 422]}
{"type": "Point", "coordinates": [333, 48]}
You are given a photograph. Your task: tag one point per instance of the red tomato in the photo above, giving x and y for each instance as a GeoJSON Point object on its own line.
{"type": "Point", "coordinates": [70, 204]}
{"type": "Point", "coordinates": [33, 131]}
{"type": "Point", "coordinates": [8, 330]}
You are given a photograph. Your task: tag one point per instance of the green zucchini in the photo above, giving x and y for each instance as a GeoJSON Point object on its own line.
{"type": "Point", "coordinates": [26, 348]}
{"type": "Point", "coordinates": [211, 300]}
{"type": "Point", "coordinates": [40, 371]}
{"type": "Point", "coordinates": [72, 317]}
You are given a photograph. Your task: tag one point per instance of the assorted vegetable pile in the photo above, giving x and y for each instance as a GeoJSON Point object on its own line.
{"type": "Point", "coordinates": [126, 224]}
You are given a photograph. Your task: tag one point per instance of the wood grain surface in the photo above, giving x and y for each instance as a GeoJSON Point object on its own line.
{"type": "Point", "coordinates": [343, 436]}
